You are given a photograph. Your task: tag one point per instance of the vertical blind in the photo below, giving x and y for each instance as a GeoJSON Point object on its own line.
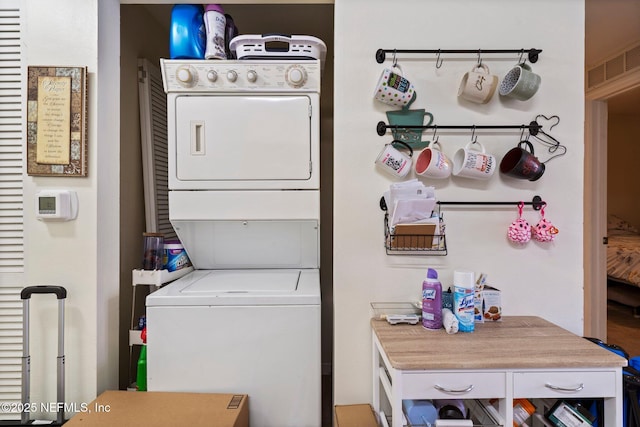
{"type": "Point", "coordinates": [11, 204]}
{"type": "Point", "coordinates": [153, 130]}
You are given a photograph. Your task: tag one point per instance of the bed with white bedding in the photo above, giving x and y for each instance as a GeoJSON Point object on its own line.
{"type": "Point", "coordinates": [623, 251]}
{"type": "Point", "coordinates": [623, 263]}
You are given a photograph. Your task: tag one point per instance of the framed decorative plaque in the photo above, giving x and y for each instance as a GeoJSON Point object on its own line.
{"type": "Point", "coordinates": [57, 121]}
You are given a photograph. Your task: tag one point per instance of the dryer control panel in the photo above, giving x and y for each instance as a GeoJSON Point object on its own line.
{"type": "Point", "coordinates": [198, 76]}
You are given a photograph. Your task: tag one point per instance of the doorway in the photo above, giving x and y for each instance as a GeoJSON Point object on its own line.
{"type": "Point", "coordinates": [618, 98]}
{"type": "Point", "coordinates": [609, 27]}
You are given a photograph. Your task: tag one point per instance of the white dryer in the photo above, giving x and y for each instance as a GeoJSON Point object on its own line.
{"type": "Point", "coordinates": [244, 200]}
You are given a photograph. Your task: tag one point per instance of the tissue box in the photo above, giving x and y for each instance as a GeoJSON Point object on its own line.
{"type": "Point", "coordinates": [491, 304]}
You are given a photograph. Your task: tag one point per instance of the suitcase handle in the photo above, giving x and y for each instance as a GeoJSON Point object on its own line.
{"type": "Point", "coordinates": [61, 293]}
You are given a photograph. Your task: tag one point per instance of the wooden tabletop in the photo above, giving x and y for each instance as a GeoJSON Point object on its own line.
{"type": "Point", "coordinates": [524, 342]}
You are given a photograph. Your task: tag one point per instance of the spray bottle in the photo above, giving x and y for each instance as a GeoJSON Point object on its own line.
{"type": "Point", "coordinates": [432, 301]}
{"type": "Point", "coordinates": [463, 306]}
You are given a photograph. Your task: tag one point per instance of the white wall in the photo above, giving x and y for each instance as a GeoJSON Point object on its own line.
{"type": "Point", "coordinates": [79, 254]}
{"type": "Point", "coordinates": [538, 279]}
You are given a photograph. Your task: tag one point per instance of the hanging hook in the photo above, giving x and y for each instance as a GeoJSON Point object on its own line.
{"type": "Point", "coordinates": [520, 61]}
{"type": "Point", "coordinates": [479, 58]}
{"type": "Point", "coordinates": [544, 205]}
{"type": "Point", "coordinates": [438, 60]}
{"type": "Point", "coordinates": [554, 117]}
{"type": "Point", "coordinates": [522, 134]}
{"type": "Point", "coordinates": [395, 60]}
{"type": "Point", "coordinates": [474, 138]}
{"type": "Point", "coordinates": [553, 144]}
{"type": "Point", "coordinates": [435, 137]}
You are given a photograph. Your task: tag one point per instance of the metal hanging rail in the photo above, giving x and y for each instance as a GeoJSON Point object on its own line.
{"type": "Point", "coordinates": [533, 127]}
{"type": "Point", "coordinates": [537, 203]}
{"type": "Point", "coordinates": [532, 54]}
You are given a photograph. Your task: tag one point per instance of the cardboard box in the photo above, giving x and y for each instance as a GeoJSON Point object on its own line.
{"type": "Point", "coordinates": [163, 409]}
{"type": "Point", "coordinates": [491, 304]}
{"type": "Point", "coordinates": [355, 416]}
{"type": "Point", "coordinates": [413, 236]}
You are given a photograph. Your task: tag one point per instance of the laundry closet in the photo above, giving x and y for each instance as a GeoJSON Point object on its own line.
{"type": "Point", "coordinates": [145, 34]}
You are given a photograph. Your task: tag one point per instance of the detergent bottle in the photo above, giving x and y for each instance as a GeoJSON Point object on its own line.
{"type": "Point", "coordinates": [141, 379]}
{"type": "Point", "coordinates": [187, 37]}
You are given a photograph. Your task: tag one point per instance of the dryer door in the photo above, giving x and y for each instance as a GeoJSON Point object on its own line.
{"type": "Point", "coordinates": [244, 142]}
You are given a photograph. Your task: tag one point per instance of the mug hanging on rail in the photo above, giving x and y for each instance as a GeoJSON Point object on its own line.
{"type": "Point", "coordinates": [474, 162]}
{"type": "Point", "coordinates": [522, 164]}
{"type": "Point", "coordinates": [394, 89]}
{"type": "Point", "coordinates": [433, 163]}
{"type": "Point", "coordinates": [520, 83]}
{"type": "Point", "coordinates": [478, 85]}
{"type": "Point", "coordinates": [393, 161]}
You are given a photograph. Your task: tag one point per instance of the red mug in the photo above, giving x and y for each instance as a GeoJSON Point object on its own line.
{"type": "Point", "coordinates": [522, 164]}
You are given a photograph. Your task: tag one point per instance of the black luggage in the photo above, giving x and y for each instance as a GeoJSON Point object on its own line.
{"type": "Point", "coordinates": [27, 406]}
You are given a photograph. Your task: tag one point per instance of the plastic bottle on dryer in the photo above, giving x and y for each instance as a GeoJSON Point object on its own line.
{"type": "Point", "coordinates": [141, 375]}
{"type": "Point", "coordinates": [187, 37]}
{"type": "Point", "coordinates": [432, 301]}
{"type": "Point", "coordinates": [463, 306]}
{"type": "Point", "coordinates": [215, 23]}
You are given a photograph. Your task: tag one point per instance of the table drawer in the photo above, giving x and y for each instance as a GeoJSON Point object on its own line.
{"type": "Point", "coordinates": [442, 385]}
{"type": "Point", "coordinates": [565, 384]}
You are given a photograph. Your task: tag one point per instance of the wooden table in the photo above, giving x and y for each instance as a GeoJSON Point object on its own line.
{"type": "Point", "coordinates": [520, 357]}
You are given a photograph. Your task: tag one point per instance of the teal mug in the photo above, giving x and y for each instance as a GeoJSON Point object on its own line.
{"type": "Point", "coordinates": [412, 136]}
{"type": "Point", "coordinates": [520, 83]}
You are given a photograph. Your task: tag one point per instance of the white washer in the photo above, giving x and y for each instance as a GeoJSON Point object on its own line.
{"type": "Point", "coordinates": [252, 332]}
{"type": "Point", "coordinates": [244, 199]}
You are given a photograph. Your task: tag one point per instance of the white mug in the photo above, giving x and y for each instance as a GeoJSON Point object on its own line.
{"type": "Point", "coordinates": [473, 162]}
{"type": "Point", "coordinates": [393, 161]}
{"type": "Point", "coordinates": [433, 163]}
{"type": "Point", "coordinates": [478, 85]}
{"type": "Point", "coordinates": [394, 89]}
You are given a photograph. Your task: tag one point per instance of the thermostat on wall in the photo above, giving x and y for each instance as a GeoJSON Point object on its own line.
{"type": "Point", "coordinates": [56, 205]}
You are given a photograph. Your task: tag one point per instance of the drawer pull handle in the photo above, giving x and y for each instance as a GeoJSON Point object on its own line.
{"type": "Point", "coordinates": [556, 388]}
{"type": "Point", "coordinates": [453, 390]}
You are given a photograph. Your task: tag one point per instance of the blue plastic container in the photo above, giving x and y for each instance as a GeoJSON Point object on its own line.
{"type": "Point", "coordinates": [187, 38]}
{"type": "Point", "coordinates": [420, 412]}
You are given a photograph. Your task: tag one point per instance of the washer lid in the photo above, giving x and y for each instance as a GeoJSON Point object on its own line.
{"type": "Point", "coordinates": [244, 281]}
{"type": "Point", "coordinates": [241, 287]}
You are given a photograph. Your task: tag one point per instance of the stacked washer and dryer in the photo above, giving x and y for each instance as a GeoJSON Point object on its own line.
{"type": "Point", "coordinates": [244, 199]}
